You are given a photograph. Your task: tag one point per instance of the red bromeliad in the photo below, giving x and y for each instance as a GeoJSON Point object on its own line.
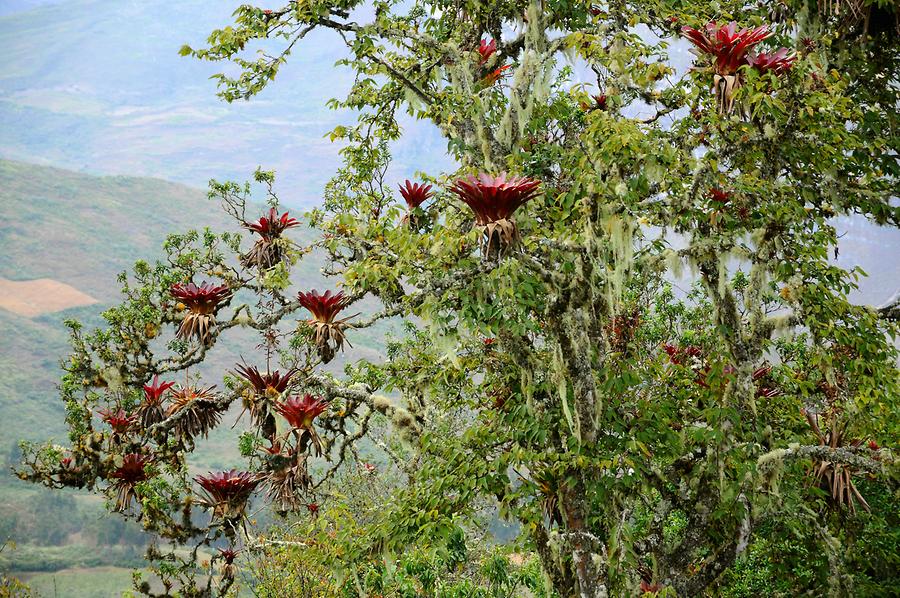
{"type": "Point", "coordinates": [329, 332]}
{"type": "Point", "coordinates": [150, 411]}
{"type": "Point", "coordinates": [267, 251]}
{"type": "Point", "coordinates": [599, 103]}
{"type": "Point", "coordinates": [202, 303]}
{"type": "Point", "coordinates": [265, 389]}
{"type": "Point", "coordinates": [195, 409]}
{"type": "Point", "coordinates": [494, 199]}
{"type": "Point", "coordinates": [120, 421]}
{"type": "Point", "coordinates": [415, 193]}
{"type": "Point", "coordinates": [226, 492]}
{"type": "Point", "coordinates": [273, 225]}
{"type": "Point", "coordinates": [228, 555]}
{"type": "Point", "coordinates": [719, 196]}
{"type": "Point", "coordinates": [764, 390]}
{"type": "Point", "coordinates": [729, 48]}
{"type": "Point", "coordinates": [647, 587]}
{"type": "Point", "coordinates": [776, 62]}
{"type": "Point", "coordinates": [270, 384]}
{"type": "Point", "coordinates": [728, 45]}
{"type": "Point", "coordinates": [679, 354]}
{"type": "Point", "coordinates": [131, 472]}
{"type": "Point", "coordinates": [488, 75]}
{"type": "Point", "coordinates": [486, 49]}
{"type": "Point", "coordinates": [495, 75]}
{"type": "Point", "coordinates": [300, 413]}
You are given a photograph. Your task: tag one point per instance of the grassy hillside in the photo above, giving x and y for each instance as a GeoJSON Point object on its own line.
{"type": "Point", "coordinates": [83, 230]}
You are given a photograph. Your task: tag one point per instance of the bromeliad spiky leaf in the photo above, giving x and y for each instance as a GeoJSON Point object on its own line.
{"type": "Point", "coordinates": [268, 251]}
{"type": "Point", "coordinates": [195, 411]}
{"type": "Point", "coordinates": [494, 199]}
{"type": "Point", "coordinates": [329, 332]}
{"type": "Point", "coordinates": [201, 302]}
{"type": "Point", "coordinates": [150, 411]}
{"type": "Point", "coordinates": [265, 389]}
{"type": "Point", "coordinates": [300, 411]}
{"type": "Point", "coordinates": [836, 479]}
{"type": "Point", "coordinates": [120, 421]}
{"type": "Point", "coordinates": [775, 62]}
{"type": "Point", "coordinates": [126, 476]}
{"type": "Point", "coordinates": [729, 48]}
{"type": "Point", "coordinates": [226, 492]}
{"type": "Point", "coordinates": [286, 483]}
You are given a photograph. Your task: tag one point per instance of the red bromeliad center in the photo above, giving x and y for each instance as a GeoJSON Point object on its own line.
{"type": "Point", "coordinates": [119, 420]}
{"type": "Point", "coordinates": [203, 299]}
{"type": "Point", "coordinates": [301, 411]}
{"type": "Point", "coordinates": [155, 391]}
{"type": "Point", "coordinates": [273, 225]}
{"type": "Point", "coordinates": [776, 62]}
{"type": "Point", "coordinates": [726, 44]}
{"type": "Point", "coordinates": [415, 193]}
{"type": "Point", "coordinates": [719, 195]}
{"type": "Point", "coordinates": [268, 383]}
{"type": "Point", "coordinates": [229, 486]}
{"type": "Point", "coordinates": [486, 49]}
{"type": "Point", "coordinates": [132, 469]}
{"type": "Point", "coordinates": [494, 198]}
{"type": "Point", "coordinates": [324, 307]}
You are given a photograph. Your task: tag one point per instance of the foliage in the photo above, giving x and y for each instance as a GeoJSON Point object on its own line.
{"type": "Point", "coordinates": [642, 441]}
{"type": "Point", "coordinates": [461, 565]}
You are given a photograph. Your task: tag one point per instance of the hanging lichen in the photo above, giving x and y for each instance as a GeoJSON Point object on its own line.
{"type": "Point", "coordinates": [621, 243]}
{"type": "Point", "coordinates": [560, 379]}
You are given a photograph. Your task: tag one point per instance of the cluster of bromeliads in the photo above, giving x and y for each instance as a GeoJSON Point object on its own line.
{"type": "Point", "coordinates": [730, 49]}
{"type": "Point", "coordinates": [190, 411]}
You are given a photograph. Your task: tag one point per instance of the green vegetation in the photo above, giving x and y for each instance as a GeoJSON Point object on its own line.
{"type": "Point", "coordinates": [98, 582]}
{"type": "Point", "coordinates": [82, 230]}
{"type": "Point", "coordinates": [734, 439]}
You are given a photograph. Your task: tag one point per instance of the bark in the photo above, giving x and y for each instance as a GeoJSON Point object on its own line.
{"type": "Point", "coordinates": [591, 582]}
{"type": "Point", "coordinates": [560, 576]}
{"type": "Point", "coordinates": [891, 308]}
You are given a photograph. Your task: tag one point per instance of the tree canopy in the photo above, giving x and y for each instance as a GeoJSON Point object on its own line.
{"type": "Point", "coordinates": [623, 333]}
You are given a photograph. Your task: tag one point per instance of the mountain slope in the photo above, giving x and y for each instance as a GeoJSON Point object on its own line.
{"type": "Point", "coordinates": [83, 230]}
{"type": "Point", "coordinates": [99, 86]}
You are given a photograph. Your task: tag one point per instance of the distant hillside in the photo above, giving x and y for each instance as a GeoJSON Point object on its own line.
{"type": "Point", "coordinates": [83, 230]}
{"type": "Point", "coordinates": [99, 87]}
{"type": "Point", "coordinates": [80, 230]}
